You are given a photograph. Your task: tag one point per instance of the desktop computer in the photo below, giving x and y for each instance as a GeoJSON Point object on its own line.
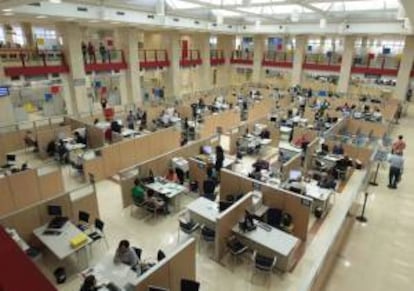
{"type": "Point", "coordinates": [58, 221]}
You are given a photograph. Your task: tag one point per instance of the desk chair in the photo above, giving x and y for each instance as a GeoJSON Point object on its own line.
{"type": "Point", "coordinates": [208, 235]}
{"type": "Point", "coordinates": [98, 233]}
{"type": "Point", "coordinates": [83, 220]}
{"type": "Point", "coordinates": [188, 227]}
{"type": "Point", "coordinates": [137, 203]}
{"type": "Point", "coordinates": [263, 263]}
{"type": "Point", "coordinates": [236, 247]}
{"type": "Point", "coordinates": [189, 285]}
{"type": "Point", "coordinates": [274, 217]}
{"type": "Point", "coordinates": [160, 255]}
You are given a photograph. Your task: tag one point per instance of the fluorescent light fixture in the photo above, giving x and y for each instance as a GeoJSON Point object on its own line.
{"type": "Point", "coordinates": [322, 23]}
{"type": "Point", "coordinates": [55, 1]}
{"type": "Point", "coordinates": [115, 22]}
{"type": "Point", "coordinates": [219, 19]}
{"type": "Point", "coordinates": [41, 17]}
{"type": "Point", "coordinates": [294, 17]}
{"type": "Point", "coordinates": [8, 14]}
{"type": "Point", "coordinates": [257, 23]}
{"type": "Point", "coordinates": [93, 21]}
{"type": "Point", "coordinates": [70, 19]}
{"type": "Point", "coordinates": [7, 10]}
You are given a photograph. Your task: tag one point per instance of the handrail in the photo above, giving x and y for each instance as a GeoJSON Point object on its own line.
{"type": "Point", "coordinates": [241, 55]}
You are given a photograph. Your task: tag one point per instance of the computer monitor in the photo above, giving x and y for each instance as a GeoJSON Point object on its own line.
{"type": "Point", "coordinates": [294, 175]}
{"type": "Point", "coordinates": [11, 158]}
{"type": "Point", "coordinates": [54, 210]}
{"type": "Point", "coordinates": [223, 205]}
{"type": "Point", "coordinates": [208, 150]}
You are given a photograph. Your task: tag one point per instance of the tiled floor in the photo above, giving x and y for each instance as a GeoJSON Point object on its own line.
{"type": "Point", "coordinates": [378, 256]}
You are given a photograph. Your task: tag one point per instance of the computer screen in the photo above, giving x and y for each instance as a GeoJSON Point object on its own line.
{"type": "Point", "coordinates": [54, 210]}
{"type": "Point", "coordinates": [4, 91]}
{"type": "Point", "coordinates": [207, 150]}
{"type": "Point", "coordinates": [223, 205]}
{"type": "Point", "coordinates": [294, 175]}
{"type": "Point", "coordinates": [11, 158]}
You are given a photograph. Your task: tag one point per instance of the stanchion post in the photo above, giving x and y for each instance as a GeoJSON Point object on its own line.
{"type": "Point", "coordinates": [362, 218]}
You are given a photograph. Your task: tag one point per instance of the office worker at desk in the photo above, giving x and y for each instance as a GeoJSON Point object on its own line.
{"type": "Point", "coordinates": [338, 149]}
{"type": "Point", "coordinates": [89, 284]}
{"type": "Point", "coordinates": [125, 254]}
{"type": "Point", "coordinates": [138, 191]}
{"type": "Point", "coordinates": [171, 176]}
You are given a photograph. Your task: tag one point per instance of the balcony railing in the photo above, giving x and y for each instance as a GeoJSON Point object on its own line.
{"type": "Point", "coordinates": [30, 62]}
{"type": "Point", "coordinates": [378, 65]}
{"type": "Point", "coordinates": [277, 59]}
{"type": "Point", "coordinates": [217, 57]}
{"type": "Point", "coordinates": [152, 59]}
{"type": "Point", "coordinates": [190, 58]}
{"type": "Point", "coordinates": [323, 62]}
{"type": "Point", "coordinates": [241, 57]}
{"type": "Point", "coordinates": [105, 61]}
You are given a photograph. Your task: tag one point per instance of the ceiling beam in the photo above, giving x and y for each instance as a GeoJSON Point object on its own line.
{"type": "Point", "coordinates": [409, 9]}
{"type": "Point", "coordinates": [10, 4]}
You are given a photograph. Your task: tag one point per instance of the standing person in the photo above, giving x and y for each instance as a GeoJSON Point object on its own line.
{"type": "Point", "coordinates": [396, 168]}
{"type": "Point", "coordinates": [399, 145]}
{"type": "Point", "coordinates": [91, 53]}
{"type": "Point", "coordinates": [219, 159]}
{"type": "Point", "coordinates": [130, 120]}
{"type": "Point", "coordinates": [102, 51]}
{"type": "Point", "coordinates": [84, 51]}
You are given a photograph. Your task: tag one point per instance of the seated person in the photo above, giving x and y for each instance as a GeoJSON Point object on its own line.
{"type": "Point", "coordinates": [338, 149]}
{"type": "Point", "coordinates": [265, 134]}
{"type": "Point", "coordinates": [377, 115]}
{"type": "Point", "coordinates": [138, 191]}
{"type": "Point", "coordinates": [24, 167]}
{"type": "Point", "coordinates": [51, 148]}
{"type": "Point", "coordinates": [29, 140]}
{"type": "Point", "coordinates": [341, 167]}
{"type": "Point", "coordinates": [301, 141]}
{"type": "Point", "coordinates": [130, 119]}
{"type": "Point", "coordinates": [89, 284]}
{"type": "Point", "coordinates": [79, 138]}
{"type": "Point", "coordinates": [171, 176]}
{"type": "Point", "coordinates": [62, 151]}
{"type": "Point", "coordinates": [115, 126]}
{"type": "Point", "coordinates": [125, 254]}
{"type": "Point", "coordinates": [165, 118]}
{"type": "Point", "coordinates": [324, 148]}
{"type": "Point", "coordinates": [286, 223]}
{"type": "Point", "coordinates": [209, 185]}
{"type": "Point", "coordinates": [158, 203]}
{"type": "Point", "coordinates": [256, 174]}
{"type": "Point", "coordinates": [328, 181]}
{"type": "Point", "coordinates": [261, 164]}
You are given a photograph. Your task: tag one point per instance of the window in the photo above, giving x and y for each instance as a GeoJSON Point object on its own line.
{"type": "Point", "coordinates": [2, 35]}
{"type": "Point", "coordinates": [18, 35]}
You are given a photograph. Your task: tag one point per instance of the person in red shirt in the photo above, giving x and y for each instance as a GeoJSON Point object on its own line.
{"type": "Point", "coordinates": [399, 145]}
{"type": "Point", "coordinates": [171, 176]}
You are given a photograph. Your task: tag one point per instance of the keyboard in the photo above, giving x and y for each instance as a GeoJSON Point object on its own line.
{"type": "Point", "coordinates": [51, 232]}
{"type": "Point", "coordinates": [57, 222]}
{"type": "Point", "coordinates": [264, 226]}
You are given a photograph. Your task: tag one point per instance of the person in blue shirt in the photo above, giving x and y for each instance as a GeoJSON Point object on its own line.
{"type": "Point", "coordinates": [338, 149]}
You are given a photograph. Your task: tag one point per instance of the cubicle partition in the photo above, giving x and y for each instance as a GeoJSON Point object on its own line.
{"type": "Point", "coordinates": [33, 215]}
{"type": "Point", "coordinates": [376, 129]}
{"type": "Point", "coordinates": [45, 136]}
{"type": "Point", "coordinates": [28, 187]}
{"type": "Point", "coordinates": [295, 163]}
{"type": "Point", "coordinates": [298, 206]}
{"type": "Point", "coordinates": [223, 120]}
{"type": "Point", "coordinates": [159, 166]}
{"type": "Point", "coordinates": [227, 220]}
{"type": "Point", "coordinates": [168, 273]}
{"type": "Point", "coordinates": [362, 154]}
{"type": "Point", "coordinates": [261, 108]}
{"type": "Point", "coordinates": [310, 152]}
{"type": "Point", "coordinates": [115, 157]}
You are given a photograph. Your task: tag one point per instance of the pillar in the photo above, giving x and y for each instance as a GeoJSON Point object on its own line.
{"type": "Point", "coordinates": [6, 106]}
{"type": "Point", "coordinates": [322, 44]}
{"type": "Point", "coordinates": [404, 72]}
{"type": "Point", "coordinates": [77, 99]}
{"type": "Point", "coordinates": [259, 48]}
{"type": "Point", "coordinates": [127, 40]}
{"type": "Point", "coordinates": [298, 59]}
{"type": "Point", "coordinates": [346, 65]}
{"type": "Point", "coordinates": [173, 80]}
{"type": "Point", "coordinates": [226, 44]}
{"type": "Point", "coordinates": [28, 35]}
{"type": "Point", "coordinates": [202, 42]}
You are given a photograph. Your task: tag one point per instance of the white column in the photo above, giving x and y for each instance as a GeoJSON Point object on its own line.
{"type": "Point", "coordinates": [346, 65]}
{"type": "Point", "coordinates": [298, 59]}
{"type": "Point", "coordinates": [173, 80]}
{"type": "Point", "coordinates": [202, 42]}
{"type": "Point", "coordinates": [28, 34]}
{"type": "Point", "coordinates": [404, 72]}
{"type": "Point", "coordinates": [77, 100]}
{"type": "Point", "coordinates": [259, 48]}
{"type": "Point", "coordinates": [225, 43]}
{"type": "Point", "coordinates": [127, 39]}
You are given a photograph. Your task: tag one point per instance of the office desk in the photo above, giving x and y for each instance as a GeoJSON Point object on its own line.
{"type": "Point", "coordinates": [106, 271]}
{"type": "Point", "coordinates": [320, 195]}
{"type": "Point", "coordinates": [271, 243]}
{"type": "Point", "coordinates": [289, 147]}
{"type": "Point", "coordinates": [126, 132]}
{"type": "Point", "coordinates": [169, 190]}
{"type": "Point", "coordinates": [204, 211]}
{"type": "Point", "coordinates": [59, 245]}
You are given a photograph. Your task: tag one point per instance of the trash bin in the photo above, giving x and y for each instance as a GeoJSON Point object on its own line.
{"type": "Point", "coordinates": [60, 275]}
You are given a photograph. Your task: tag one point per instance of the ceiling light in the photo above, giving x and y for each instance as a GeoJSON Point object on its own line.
{"type": "Point", "coordinates": [41, 17]}
{"type": "Point", "coordinates": [7, 10]}
{"type": "Point", "coordinates": [294, 17]}
{"type": "Point", "coordinates": [70, 19]}
{"type": "Point", "coordinates": [322, 23]}
{"type": "Point", "coordinates": [258, 23]}
{"type": "Point", "coordinates": [93, 21]}
{"type": "Point", "coordinates": [115, 22]}
{"type": "Point", "coordinates": [219, 19]}
{"type": "Point", "coordinates": [55, 1]}
{"type": "Point", "coordinates": [8, 14]}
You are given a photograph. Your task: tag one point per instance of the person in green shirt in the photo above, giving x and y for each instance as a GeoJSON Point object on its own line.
{"type": "Point", "coordinates": [138, 191]}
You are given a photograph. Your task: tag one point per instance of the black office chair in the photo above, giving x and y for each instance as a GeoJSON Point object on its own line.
{"type": "Point", "coordinates": [263, 263]}
{"type": "Point", "coordinates": [83, 220]}
{"type": "Point", "coordinates": [160, 255]}
{"type": "Point", "coordinates": [138, 252]}
{"type": "Point", "coordinates": [189, 285]}
{"type": "Point", "coordinates": [139, 203]}
{"type": "Point", "coordinates": [274, 217]}
{"type": "Point", "coordinates": [209, 186]}
{"type": "Point", "coordinates": [188, 227]}
{"type": "Point", "coordinates": [236, 247]}
{"type": "Point", "coordinates": [98, 233]}
{"type": "Point", "coordinates": [208, 235]}
{"type": "Point", "coordinates": [180, 175]}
